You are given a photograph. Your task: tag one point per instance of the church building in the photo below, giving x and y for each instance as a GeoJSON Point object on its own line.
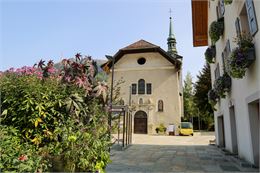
{"type": "Point", "coordinates": [152, 83]}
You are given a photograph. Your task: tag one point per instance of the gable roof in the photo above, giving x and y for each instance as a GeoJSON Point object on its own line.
{"type": "Point", "coordinates": [142, 46]}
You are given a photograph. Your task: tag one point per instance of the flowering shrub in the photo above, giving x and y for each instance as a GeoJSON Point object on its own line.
{"type": "Point", "coordinates": [241, 57]}
{"type": "Point", "coordinates": [60, 116]}
{"type": "Point", "coordinates": [210, 54]}
{"type": "Point", "coordinates": [216, 29]}
{"type": "Point", "coordinates": [222, 85]}
{"type": "Point", "coordinates": [16, 155]}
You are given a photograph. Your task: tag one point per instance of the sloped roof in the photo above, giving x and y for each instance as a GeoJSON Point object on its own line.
{"type": "Point", "coordinates": [141, 44]}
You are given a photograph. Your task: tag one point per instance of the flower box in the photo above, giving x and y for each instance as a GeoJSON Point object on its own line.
{"type": "Point", "coordinates": [241, 57]}
{"type": "Point", "coordinates": [216, 29]}
{"type": "Point", "coordinates": [223, 85]}
{"type": "Point", "coordinates": [210, 54]}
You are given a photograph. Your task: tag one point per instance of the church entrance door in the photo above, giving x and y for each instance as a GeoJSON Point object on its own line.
{"type": "Point", "coordinates": [140, 122]}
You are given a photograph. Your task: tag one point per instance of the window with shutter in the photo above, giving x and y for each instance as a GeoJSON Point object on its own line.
{"type": "Point", "coordinates": [251, 17]}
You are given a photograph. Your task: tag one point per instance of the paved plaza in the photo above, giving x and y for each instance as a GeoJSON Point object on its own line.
{"type": "Point", "coordinates": [175, 154]}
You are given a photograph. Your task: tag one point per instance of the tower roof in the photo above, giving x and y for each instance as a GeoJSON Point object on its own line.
{"type": "Point", "coordinates": [171, 41]}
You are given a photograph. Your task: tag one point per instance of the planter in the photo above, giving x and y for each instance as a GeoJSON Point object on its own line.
{"type": "Point", "coordinates": [210, 54]}
{"type": "Point", "coordinates": [240, 60]}
{"type": "Point", "coordinates": [213, 97]}
{"type": "Point", "coordinates": [216, 29]}
{"type": "Point", "coordinates": [227, 2]}
{"type": "Point", "coordinates": [222, 85]}
{"type": "Point", "coordinates": [250, 56]}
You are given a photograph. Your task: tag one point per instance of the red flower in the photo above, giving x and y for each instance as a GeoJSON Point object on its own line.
{"type": "Point", "coordinates": [23, 158]}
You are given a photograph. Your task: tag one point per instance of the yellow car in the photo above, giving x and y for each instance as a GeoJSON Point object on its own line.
{"type": "Point", "coordinates": [186, 128]}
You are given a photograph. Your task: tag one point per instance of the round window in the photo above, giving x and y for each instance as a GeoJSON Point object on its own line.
{"type": "Point", "coordinates": [141, 61]}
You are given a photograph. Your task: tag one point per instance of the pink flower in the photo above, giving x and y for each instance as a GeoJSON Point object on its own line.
{"type": "Point", "coordinates": [23, 158]}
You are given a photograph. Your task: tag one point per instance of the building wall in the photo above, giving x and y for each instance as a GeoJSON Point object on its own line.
{"type": "Point", "coordinates": [243, 91]}
{"type": "Point", "coordinates": [165, 86]}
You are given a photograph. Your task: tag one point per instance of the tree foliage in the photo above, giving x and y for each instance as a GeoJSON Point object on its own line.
{"type": "Point", "coordinates": [201, 89]}
{"type": "Point", "coordinates": [189, 105]}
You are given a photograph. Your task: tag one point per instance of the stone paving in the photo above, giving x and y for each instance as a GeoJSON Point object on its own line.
{"type": "Point", "coordinates": [173, 158]}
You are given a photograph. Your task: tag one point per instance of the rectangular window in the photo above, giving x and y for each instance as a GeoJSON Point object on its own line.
{"type": "Point", "coordinates": [133, 88]}
{"type": "Point", "coordinates": [148, 88]}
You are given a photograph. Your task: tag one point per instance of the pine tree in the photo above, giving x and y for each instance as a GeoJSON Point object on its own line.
{"type": "Point", "coordinates": [188, 94]}
{"type": "Point", "coordinates": [201, 88]}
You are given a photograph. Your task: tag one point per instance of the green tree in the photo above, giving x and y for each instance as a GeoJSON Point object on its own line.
{"type": "Point", "coordinates": [201, 89]}
{"type": "Point", "coordinates": [188, 94]}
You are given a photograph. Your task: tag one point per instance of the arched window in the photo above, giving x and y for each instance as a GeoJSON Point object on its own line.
{"type": "Point", "coordinates": [141, 86]}
{"type": "Point", "coordinates": [160, 106]}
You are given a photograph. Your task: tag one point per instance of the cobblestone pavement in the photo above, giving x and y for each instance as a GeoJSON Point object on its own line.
{"type": "Point", "coordinates": [153, 155]}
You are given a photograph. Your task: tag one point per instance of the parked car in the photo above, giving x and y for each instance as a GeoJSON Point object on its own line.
{"type": "Point", "coordinates": [186, 128]}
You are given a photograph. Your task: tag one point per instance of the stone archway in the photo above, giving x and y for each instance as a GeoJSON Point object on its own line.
{"type": "Point", "coordinates": [140, 122]}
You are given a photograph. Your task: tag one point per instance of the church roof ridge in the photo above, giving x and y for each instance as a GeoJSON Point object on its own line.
{"type": "Point", "coordinates": [140, 44]}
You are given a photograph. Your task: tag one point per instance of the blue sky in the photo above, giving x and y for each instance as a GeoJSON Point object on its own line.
{"type": "Point", "coordinates": [43, 29]}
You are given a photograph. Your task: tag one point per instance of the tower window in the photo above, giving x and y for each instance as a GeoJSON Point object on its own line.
{"type": "Point", "coordinates": [148, 88]}
{"type": "Point", "coordinates": [141, 86]}
{"type": "Point", "coordinates": [141, 61]}
{"type": "Point", "coordinates": [160, 106]}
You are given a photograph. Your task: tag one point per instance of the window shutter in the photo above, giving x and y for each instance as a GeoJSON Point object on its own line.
{"type": "Point", "coordinates": [224, 54]}
{"type": "Point", "coordinates": [251, 17]}
{"type": "Point", "coordinates": [217, 74]}
{"type": "Point", "coordinates": [222, 7]}
{"type": "Point", "coordinates": [238, 29]}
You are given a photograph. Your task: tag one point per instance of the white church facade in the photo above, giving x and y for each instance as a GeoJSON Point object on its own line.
{"type": "Point", "coordinates": [151, 83]}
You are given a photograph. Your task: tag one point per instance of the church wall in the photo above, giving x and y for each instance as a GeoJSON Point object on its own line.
{"type": "Point", "coordinates": [163, 76]}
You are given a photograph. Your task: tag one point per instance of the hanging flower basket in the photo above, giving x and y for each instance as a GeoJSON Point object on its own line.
{"type": "Point", "coordinates": [213, 97]}
{"type": "Point", "coordinates": [241, 57]}
{"type": "Point", "coordinates": [210, 54]}
{"type": "Point", "coordinates": [223, 85]}
{"type": "Point", "coordinates": [227, 2]}
{"type": "Point", "coordinates": [216, 29]}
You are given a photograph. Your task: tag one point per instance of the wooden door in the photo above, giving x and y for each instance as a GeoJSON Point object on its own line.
{"type": "Point", "coordinates": [140, 122]}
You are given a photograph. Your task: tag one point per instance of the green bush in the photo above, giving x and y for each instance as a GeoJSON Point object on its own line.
{"type": "Point", "coordinates": [56, 116]}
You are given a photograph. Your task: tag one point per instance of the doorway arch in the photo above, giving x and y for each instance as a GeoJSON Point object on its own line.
{"type": "Point", "coordinates": [140, 122]}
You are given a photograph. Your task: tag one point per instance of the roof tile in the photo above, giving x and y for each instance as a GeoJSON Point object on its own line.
{"type": "Point", "coordinates": [140, 45]}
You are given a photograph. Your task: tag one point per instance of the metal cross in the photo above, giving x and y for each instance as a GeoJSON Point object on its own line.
{"type": "Point", "coordinates": [170, 11]}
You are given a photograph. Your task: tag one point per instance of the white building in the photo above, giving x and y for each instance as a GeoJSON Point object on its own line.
{"type": "Point", "coordinates": [152, 83]}
{"type": "Point", "coordinates": [237, 115]}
